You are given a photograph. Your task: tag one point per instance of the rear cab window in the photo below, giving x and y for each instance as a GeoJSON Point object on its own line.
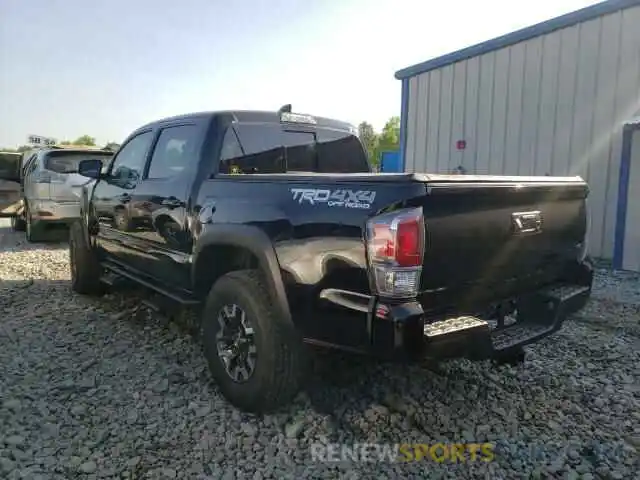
{"type": "Point", "coordinates": [274, 148]}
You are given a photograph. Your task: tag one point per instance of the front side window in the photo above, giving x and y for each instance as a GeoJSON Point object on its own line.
{"type": "Point", "coordinates": [175, 152]}
{"type": "Point", "coordinates": [129, 163]}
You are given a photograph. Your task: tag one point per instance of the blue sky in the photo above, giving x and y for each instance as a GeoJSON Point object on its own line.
{"type": "Point", "coordinates": [104, 67]}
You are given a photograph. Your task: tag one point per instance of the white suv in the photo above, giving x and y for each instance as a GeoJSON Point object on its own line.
{"type": "Point", "coordinates": [51, 188]}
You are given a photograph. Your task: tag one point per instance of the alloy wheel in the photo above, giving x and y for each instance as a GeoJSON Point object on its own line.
{"type": "Point", "coordinates": [235, 342]}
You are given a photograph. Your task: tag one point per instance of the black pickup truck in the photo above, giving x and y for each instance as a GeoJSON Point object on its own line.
{"type": "Point", "coordinates": [275, 227]}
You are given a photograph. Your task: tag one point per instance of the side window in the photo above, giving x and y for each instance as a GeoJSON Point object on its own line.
{"type": "Point", "coordinates": [129, 163]}
{"type": "Point", "coordinates": [231, 153]}
{"type": "Point", "coordinates": [175, 152]}
{"type": "Point", "coordinates": [33, 165]}
{"type": "Point", "coordinates": [26, 166]}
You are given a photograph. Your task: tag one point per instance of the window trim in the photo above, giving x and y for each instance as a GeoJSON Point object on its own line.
{"type": "Point", "coordinates": [154, 145]}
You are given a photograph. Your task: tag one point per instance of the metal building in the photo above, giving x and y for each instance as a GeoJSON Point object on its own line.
{"type": "Point", "coordinates": [555, 98]}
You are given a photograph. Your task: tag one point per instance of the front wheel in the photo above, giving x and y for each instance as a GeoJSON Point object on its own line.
{"type": "Point", "coordinates": [85, 268]}
{"type": "Point", "coordinates": [18, 224]}
{"type": "Point", "coordinates": [256, 359]}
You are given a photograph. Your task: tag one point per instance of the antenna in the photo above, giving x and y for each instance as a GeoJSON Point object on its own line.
{"type": "Point", "coordinates": [285, 108]}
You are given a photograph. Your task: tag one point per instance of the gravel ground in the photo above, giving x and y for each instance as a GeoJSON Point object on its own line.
{"type": "Point", "coordinates": [102, 388]}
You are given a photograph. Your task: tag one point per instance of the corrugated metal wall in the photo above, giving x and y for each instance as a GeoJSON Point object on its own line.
{"type": "Point", "coordinates": [631, 255]}
{"type": "Point", "coordinates": [553, 105]}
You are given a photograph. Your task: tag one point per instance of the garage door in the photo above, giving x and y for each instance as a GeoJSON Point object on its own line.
{"type": "Point", "coordinates": [631, 255]}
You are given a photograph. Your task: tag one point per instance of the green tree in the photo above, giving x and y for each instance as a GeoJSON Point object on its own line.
{"type": "Point", "coordinates": [113, 146]}
{"type": "Point", "coordinates": [369, 139]}
{"type": "Point", "coordinates": [390, 136]}
{"type": "Point", "coordinates": [85, 140]}
{"type": "Point", "coordinates": [389, 139]}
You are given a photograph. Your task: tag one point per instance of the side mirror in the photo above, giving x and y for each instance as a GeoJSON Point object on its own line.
{"type": "Point", "coordinates": [90, 168]}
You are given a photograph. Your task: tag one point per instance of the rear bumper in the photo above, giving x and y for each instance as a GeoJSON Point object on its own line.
{"type": "Point", "coordinates": [54, 211]}
{"type": "Point", "coordinates": [402, 331]}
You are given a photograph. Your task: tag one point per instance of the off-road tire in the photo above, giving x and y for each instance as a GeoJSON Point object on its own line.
{"type": "Point", "coordinates": [281, 358]}
{"type": "Point", "coordinates": [18, 224]}
{"type": "Point", "coordinates": [513, 356]}
{"type": "Point", "coordinates": [85, 269]}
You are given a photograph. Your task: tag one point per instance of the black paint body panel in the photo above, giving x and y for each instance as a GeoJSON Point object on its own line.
{"type": "Point", "coordinates": [182, 227]}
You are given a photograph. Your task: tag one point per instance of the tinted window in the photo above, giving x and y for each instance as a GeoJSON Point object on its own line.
{"type": "Point", "coordinates": [175, 151]}
{"type": "Point", "coordinates": [270, 149]}
{"type": "Point", "coordinates": [230, 147]}
{"type": "Point", "coordinates": [33, 164]}
{"type": "Point", "coordinates": [67, 162]}
{"type": "Point", "coordinates": [340, 152]}
{"type": "Point", "coordinates": [129, 163]}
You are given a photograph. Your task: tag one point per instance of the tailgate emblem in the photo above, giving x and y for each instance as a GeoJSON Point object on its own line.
{"type": "Point", "coordinates": [526, 222]}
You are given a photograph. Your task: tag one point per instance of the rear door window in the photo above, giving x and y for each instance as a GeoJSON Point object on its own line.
{"type": "Point", "coordinates": [175, 152]}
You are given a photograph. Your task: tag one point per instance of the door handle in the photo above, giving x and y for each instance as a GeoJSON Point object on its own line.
{"type": "Point", "coordinates": [171, 202]}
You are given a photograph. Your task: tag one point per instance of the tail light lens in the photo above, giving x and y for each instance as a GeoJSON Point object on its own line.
{"type": "Point", "coordinates": [395, 247]}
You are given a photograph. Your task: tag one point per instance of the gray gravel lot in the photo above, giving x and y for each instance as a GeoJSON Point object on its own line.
{"type": "Point", "coordinates": [101, 388]}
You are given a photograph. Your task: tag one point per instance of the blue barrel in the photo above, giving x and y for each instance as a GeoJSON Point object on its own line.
{"type": "Point", "coordinates": [390, 162]}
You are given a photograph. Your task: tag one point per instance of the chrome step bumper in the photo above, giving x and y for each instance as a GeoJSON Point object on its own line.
{"type": "Point", "coordinates": [540, 314]}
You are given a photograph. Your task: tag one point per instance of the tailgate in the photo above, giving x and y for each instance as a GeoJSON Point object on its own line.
{"type": "Point", "coordinates": [497, 237]}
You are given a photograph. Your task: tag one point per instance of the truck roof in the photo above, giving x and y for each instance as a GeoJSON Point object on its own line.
{"type": "Point", "coordinates": [250, 116]}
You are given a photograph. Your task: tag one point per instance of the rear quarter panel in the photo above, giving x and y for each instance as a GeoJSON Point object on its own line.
{"type": "Point", "coordinates": [316, 227]}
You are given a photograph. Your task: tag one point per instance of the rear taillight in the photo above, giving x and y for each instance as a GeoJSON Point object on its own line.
{"type": "Point", "coordinates": [395, 248]}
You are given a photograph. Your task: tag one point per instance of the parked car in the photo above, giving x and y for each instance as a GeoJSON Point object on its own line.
{"type": "Point", "coordinates": [50, 188]}
{"type": "Point", "coordinates": [9, 191]}
{"type": "Point", "coordinates": [274, 226]}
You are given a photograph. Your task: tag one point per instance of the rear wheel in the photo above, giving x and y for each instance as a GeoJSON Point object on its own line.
{"type": "Point", "coordinates": [122, 220]}
{"type": "Point", "coordinates": [85, 268]}
{"type": "Point", "coordinates": [33, 231]}
{"type": "Point", "coordinates": [513, 356]}
{"type": "Point", "coordinates": [18, 223]}
{"type": "Point", "coordinates": [256, 359]}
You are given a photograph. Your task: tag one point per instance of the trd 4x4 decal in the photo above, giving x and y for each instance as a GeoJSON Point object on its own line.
{"type": "Point", "coordinates": [334, 198]}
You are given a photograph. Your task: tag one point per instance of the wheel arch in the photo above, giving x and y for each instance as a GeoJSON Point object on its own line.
{"type": "Point", "coordinates": [221, 249]}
